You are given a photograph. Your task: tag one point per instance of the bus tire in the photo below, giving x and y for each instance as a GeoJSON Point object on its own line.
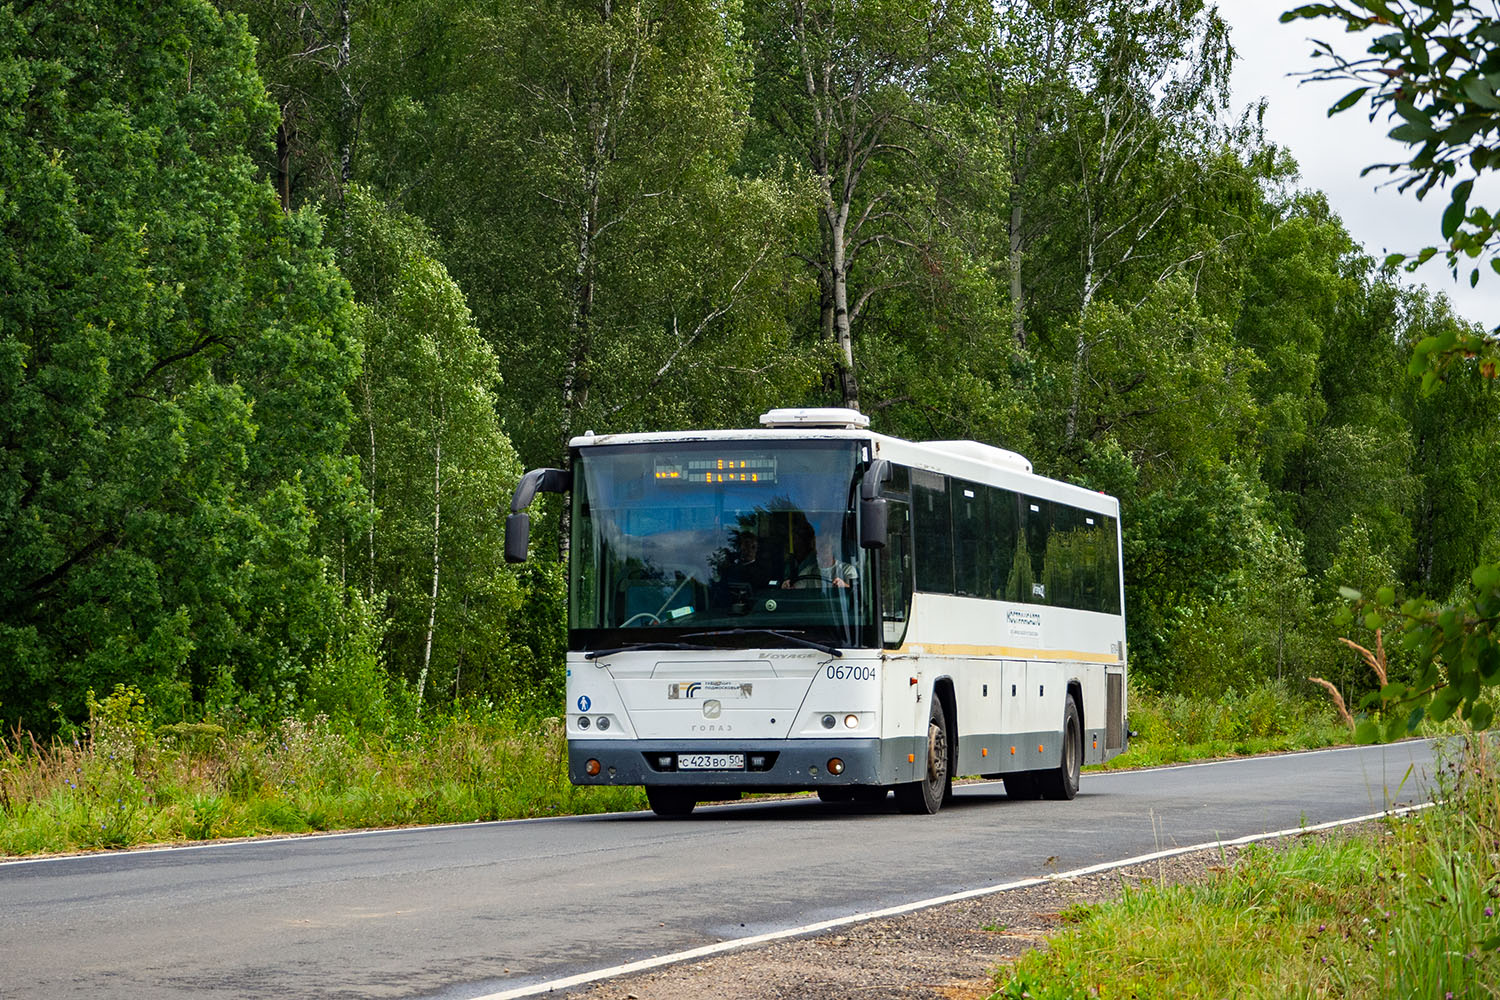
{"type": "Point", "coordinates": [926, 795]}
{"type": "Point", "coordinates": [1062, 781]}
{"type": "Point", "coordinates": [671, 803]}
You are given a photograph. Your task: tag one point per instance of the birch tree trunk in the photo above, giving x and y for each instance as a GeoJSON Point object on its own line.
{"type": "Point", "coordinates": [347, 107]}
{"type": "Point", "coordinates": [843, 337]}
{"type": "Point", "coordinates": [1017, 289]}
{"type": "Point", "coordinates": [371, 480]}
{"type": "Point", "coordinates": [437, 520]}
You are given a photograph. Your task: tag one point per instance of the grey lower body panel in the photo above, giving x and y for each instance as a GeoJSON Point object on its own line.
{"type": "Point", "coordinates": [788, 764]}
{"type": "Point", "coordinates": [996, 754]}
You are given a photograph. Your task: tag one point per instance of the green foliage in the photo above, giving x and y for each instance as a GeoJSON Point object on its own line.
{"type": "Point", "coordinates": [1408, 910]}
{"type": "Point", "coordinates": [231, 481]}
{"type": "Point", "coordinates": [127, 784]}
{"type": "Point", "coordinates": [1455, 651]}
{"type": "Point", "coordinates": [573, 158]}
{"type": "Point", "coordinates": [174, 354]}
{"type": "Point", "coordinates": [1244, 717]}
{"type": "Point", "coordinates": [1431, 67]}
{"type": "Point", "coordinates": [1430, 70]}
{"type": "Point", "coordinates": [434, 460]}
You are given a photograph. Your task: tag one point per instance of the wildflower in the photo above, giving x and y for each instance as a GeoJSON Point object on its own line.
{"type": "Point", "coordinates": [1489, 911]}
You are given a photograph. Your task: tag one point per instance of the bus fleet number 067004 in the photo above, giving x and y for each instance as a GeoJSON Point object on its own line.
{"type": "Point", "coordinates": [850, 672]}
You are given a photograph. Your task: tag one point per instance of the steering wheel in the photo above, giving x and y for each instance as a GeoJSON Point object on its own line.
{"type": "Point", "coordinates": [791, 581]}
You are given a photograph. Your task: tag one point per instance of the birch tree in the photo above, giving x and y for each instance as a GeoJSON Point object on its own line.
{"type": "Point", "coordinates": [434, 459]}
{"type": "Point", "coordinates": [579, 175]}
{"type": "Point", "coordinates": [1032, 67]}
{"type": "Point", "coordinates": [844, 89]}
{"type": "Point", "coordinates": [1153, 94]}
{"type": "Point", "coordinates": [306, 53]}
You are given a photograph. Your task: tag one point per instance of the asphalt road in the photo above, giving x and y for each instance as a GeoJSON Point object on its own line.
{"type": "Point", "coordinates": [457, 912]}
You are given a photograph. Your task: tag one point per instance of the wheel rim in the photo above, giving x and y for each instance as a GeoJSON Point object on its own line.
{"type": "Point", "coordinates": [937, 755]}
{"type": "Point", "coordinates": [1072, 754]}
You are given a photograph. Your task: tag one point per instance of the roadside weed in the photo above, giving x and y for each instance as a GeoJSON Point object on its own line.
{"type": "Point", "coordinates": [1409, 911]}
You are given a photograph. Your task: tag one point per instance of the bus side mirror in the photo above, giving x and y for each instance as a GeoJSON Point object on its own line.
{"type": "Point", "coordinates": [518, 523]}
{"type": "Point", "coordinates": [874, 519]}
{"type": "Point", "coordinates": [517, 537]}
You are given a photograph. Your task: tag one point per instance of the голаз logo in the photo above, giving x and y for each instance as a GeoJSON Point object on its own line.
{"type": "Point", "coordinates": [685, 689]}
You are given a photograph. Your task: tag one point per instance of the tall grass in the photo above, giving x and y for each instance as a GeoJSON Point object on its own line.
{"type": "Point", "coordinates": [122, 782]}
{"type": "Point", "coordinates": [1410, 911]}
{"type": "Point", "coordinates": [1262, 718]}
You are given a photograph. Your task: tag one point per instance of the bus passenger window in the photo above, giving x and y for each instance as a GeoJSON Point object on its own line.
{"type": "Point", "coordinates": [933, 532]}
{"type": "Point", "coordinates": [895, 575]}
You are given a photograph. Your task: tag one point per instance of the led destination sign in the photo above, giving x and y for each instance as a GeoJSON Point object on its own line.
{"type": "Point", "coordinates": [758, 469]}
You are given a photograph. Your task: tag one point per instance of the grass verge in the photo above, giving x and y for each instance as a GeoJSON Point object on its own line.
{"type": "Point", "coordinates": [1412, 911]}
{"type": "Point", "coordinates": [125, 781]}
{"type": "Point", "coordinates": [1266, 718]}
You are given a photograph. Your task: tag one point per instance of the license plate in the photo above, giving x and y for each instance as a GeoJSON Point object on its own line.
{"type": "Point", "coordinates": [710, 762]}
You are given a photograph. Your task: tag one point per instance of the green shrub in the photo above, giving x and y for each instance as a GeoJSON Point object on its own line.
{"type": "Point", "coordinates": [1410, 910]}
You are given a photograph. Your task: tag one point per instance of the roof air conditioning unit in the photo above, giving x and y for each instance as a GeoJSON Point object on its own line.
{"type": "Point", "coordinates": [816, 416]}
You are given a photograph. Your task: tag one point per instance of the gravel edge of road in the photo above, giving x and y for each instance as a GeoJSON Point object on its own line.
{"type": "Point", "coordinates": [947, 952]}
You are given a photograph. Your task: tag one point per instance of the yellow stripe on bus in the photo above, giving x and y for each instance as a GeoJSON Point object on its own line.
{"type": "Point", "coordinates": [1009, 652]}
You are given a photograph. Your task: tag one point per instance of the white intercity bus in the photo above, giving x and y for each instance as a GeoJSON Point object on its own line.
{"type": "Point", "coordinates": [813, 606]}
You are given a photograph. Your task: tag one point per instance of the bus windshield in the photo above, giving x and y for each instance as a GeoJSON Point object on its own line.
{"type": "Point", "coordinates": [692, 537]}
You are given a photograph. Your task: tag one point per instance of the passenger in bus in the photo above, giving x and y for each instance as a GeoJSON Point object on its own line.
{"type": "Point", "coordinates": [745, 565]}
{"type": "Point", "coordinates": [743, 571]}
{"type": "Point", "coordinates": [814, 563]}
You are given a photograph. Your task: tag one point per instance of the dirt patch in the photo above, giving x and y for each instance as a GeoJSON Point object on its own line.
{"type": "Point", "coordinates": [945, 953]}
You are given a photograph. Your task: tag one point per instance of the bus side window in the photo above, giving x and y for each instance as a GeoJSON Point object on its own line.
{"type": "Point", "coordinates": [933, 532]}
{"type": "Point", "coordinates": [896, 575]}
{"type": "Point", "coordinates": [1038, 515]}
{"type": "Point", "coordinates": [972, 547]}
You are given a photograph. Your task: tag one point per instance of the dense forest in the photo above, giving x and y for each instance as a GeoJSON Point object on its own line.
{"type": "Point", "coordinates": [292, 290]}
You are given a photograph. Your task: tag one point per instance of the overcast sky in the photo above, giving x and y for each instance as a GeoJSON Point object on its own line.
{"type": "Point", "coordinates": [1332, 151]}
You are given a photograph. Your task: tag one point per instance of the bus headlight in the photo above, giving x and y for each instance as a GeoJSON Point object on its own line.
{"type": "Point", "coordinates": [603, 723]}
{"type": "Point", "coordinates": [583, 722]}
{"type": "Point", "coordinates": [829, 722]}
{"type": "Point", "coordinates": [851, 721]}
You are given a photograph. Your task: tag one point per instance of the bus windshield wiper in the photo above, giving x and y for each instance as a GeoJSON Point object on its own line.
{"type": "Point", "coordinates": [792, 637]}
{"type": "Point", "coordinates": [594, 654]}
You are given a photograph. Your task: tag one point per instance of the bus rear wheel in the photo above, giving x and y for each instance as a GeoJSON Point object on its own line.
{"type": "Point", "coordinates": [1062, 781]}
{"type": "Point", "coordinates": [925, 796]}
{"type": "Point", "coordinates": [671, 802]}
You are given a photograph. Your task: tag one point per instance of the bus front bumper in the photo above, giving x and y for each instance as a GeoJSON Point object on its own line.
{"type": "Point", "coordinates": [744, 764]}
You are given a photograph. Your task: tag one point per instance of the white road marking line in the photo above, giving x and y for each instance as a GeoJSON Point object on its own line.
{"type": "Point", "coordinates": [735, 944]}
{"type": "Point", "coordinates": [1255, 757]}
{"type": "Point", "coordinates": [288, 838]}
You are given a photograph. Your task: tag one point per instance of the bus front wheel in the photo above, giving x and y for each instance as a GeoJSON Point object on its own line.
{"type": "Point", "coordinates": [927, 794]}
